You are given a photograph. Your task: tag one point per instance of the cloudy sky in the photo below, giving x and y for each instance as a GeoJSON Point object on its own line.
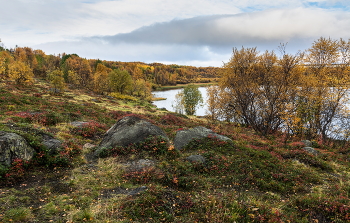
{"type": "Point", "coordinates": [186, 32]}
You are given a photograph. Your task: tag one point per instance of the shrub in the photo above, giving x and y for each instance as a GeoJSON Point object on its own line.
{"type": "Point", "coordinates": [171, 119]}
{"type": "Point", "coordinates": [3, 171]}
{"type": "Point", "coordinates": [44, 118]}
{"type": "Point", "coordinates": [91, 129]}
{"type": "Point", "coordinates": [123, 97]}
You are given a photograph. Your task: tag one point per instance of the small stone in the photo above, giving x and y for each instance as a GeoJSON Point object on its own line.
{"type": "Point", "coordinates": [307, 143]}
{"type": "Point", "coordinates": [88, 146]}
{"type": "Point", "coordinates": [196, 159]}
{"type": "Point", "coordinates": [140, 165]}
{"type": "Point", "coordinates": [311, 150]}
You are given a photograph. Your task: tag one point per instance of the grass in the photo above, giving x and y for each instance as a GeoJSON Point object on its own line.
{"type": "Point", "coordinates": [252, 179]}
{"type": "Point", "coordinates": [179, 86]}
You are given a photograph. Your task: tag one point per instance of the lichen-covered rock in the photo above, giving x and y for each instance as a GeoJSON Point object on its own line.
{"type": "Point", "coordinates": [129, 130]}
{"type": "Point", "coordinates": [311, 150]}
{"type": "Point", "coordinates": [88, 146]}
{"type": "Point", "coordinates": [307, 143]}
{"type": "Point", "coordinates": [51, 144]}
{"type": "Point", "coordinates": [183, 137]}
{"type": "Point", "coordinates": [140, 165]}
{"type": "Point", "coordinates": [198, 159]}
{"type": "Point", "coordinates": [13, 146]}
{"type": "Point", "coordinates": [78, 124]}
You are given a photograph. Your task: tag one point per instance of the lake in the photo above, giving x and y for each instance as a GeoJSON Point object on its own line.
{"type": "Point", "coordinates": [170, 99]}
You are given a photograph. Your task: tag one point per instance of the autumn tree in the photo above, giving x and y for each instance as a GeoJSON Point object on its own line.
{"type": "Point", "coordinates": [141, 88]}
{"type": "Point", "coordinates": [256, 88]}
{"type": "Point", "coordinates": [100, 78]}
{"type": "Point", "coordinates": [81, 68]}
{"type": "Point", "coordinates": [20, 72]}
{"type": "Point", "coordinates": [323, 96]}
{"type": "Point", "coordinates": [178, 103]}
{"type": "Point", "coordinates": [2, 66]}
{"type": "Point", "coordinates": [41, 68]}
{"type": "Point", "coordinates": [218, 103]}
{"type": "Point", "coordinates": [119, 81]}
{"type": "Point", "coordinates": [26, 54]}
{"type": "Point", "coordinates": [57, 81]}
{"type": "Point", "coordinates": [72, 78]}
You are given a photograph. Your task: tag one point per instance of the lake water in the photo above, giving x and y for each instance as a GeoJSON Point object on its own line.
{"type": "Point", "coordinates": [170, 100]}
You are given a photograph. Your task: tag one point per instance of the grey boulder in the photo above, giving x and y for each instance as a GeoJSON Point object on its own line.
{"type": "Point", "coordinates": [129, 130]}
{"type": "Point", "coordinates": [196, 159]}
{"type": "Point", "coordinates": [311, 151]}
{"type": "Point", "coordinates": [183, 137]}
{"type": "Point", "coordinates": [51, 144]}
{"type": "Point", "coordinates": [14, 146]}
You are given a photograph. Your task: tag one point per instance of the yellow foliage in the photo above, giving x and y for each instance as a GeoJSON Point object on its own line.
{"type": "Point", "coordinates": [20, 72]}
{"type": "Point", "coordinates": [123, 96]}
{"type": "Point", "coordinates": [100, 79]}
{"type": "Point", "coordinates": [57, 80]}
{"type": "Point", "coordinates": [299, 93]}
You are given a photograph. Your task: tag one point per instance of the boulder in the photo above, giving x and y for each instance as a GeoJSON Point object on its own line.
{"type": "Point", "coordinates": [51, 144]}
{"type": "Point", "coordinates": [14, 146]}
{"type": "Point", "coordinates": [307, 143]}
{"type": "Point", "coordinates": [129, 130]}
{"type": "Point", "coordinates": [183, 137]}
{"type": "Point", "coordinates": [311, 150]}
{"type": "Point", "coordinates": [78, 124]}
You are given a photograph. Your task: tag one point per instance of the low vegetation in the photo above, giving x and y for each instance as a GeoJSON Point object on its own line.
{"type": "Point", "coordinates": [254, 179]}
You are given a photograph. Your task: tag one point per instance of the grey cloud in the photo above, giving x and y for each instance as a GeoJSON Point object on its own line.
{"type": "Point", "coordinates": [208, 40]}
{"type": "Point", "coordinates": [261, 28]}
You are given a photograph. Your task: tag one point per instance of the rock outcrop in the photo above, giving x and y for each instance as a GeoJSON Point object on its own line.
{"type": "Point", "coordinates": [130, 129]}
{"type": "Point", "coordinates": [13, 146]}
{"type": "Point", "coordinates": [183, 137]}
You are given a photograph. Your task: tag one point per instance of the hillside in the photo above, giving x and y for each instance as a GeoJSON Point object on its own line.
{"type": "Point", "coordinates": [253, 179]}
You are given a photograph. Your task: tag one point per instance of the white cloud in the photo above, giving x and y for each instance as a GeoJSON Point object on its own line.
{"type": "Point", "coordinates": [182, 31]}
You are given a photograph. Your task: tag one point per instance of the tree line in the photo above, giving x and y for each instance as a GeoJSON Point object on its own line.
{"type": "Point", "coordinates": [23, 65]}
{"type": "Point", "coordinates": [304, 94]}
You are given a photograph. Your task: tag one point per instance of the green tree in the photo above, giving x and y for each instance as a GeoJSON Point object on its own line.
{"type": "Point", "coordinates": [190, 98]}
{"type": "Point", "coordinates": [120, 81]}
{"type": "Point", "coordinates": [57, 81]}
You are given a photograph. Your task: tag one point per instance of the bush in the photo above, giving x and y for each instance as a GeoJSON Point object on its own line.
{"type": "Point", "coordinates": [90, 130]}
{"type": "Point", "coordinates": [123, 97]}
{"type": "Point", "coordinates": [3, 171]}
{"type": "Point", "coordinates": [43, 118]}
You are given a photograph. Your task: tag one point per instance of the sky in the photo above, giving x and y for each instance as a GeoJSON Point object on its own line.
{"type": "Point", "coordinates": [185, 32]}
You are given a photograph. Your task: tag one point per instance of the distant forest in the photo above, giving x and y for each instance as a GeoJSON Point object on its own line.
{"type": "Point", "coordinates": [23, 64]}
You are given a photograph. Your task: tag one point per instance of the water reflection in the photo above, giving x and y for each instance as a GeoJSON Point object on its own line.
{"type": "Point", "coordinates": [170, 100]}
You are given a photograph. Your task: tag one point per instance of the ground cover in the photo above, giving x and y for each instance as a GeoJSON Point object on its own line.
{"type": "Point", "coordinates": [252, 179]}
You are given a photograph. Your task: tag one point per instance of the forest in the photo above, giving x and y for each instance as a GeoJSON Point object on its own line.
{"type": "Point", "coordinates": [122, 79]}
